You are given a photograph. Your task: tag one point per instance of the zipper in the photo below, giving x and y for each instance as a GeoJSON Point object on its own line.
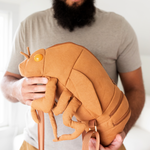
{"type": "Point", "coordinates": [123, 117]}
{"type": "Point", "coordinates": [117, 106]}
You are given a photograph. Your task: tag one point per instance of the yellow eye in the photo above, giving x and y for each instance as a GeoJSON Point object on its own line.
{"type": "Point", "coordinates": [38, 57]}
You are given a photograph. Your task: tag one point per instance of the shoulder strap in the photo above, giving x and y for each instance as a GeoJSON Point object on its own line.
{"type": "Point", "coordinates": [91, 133]}
{"type": "Point", "coordinates": [41, 130]}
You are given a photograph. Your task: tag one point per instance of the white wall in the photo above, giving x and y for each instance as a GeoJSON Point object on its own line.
{"type": "Point", "coordinates": [29, 7]}
{"type": "Point", "coordinates": [14, 9]}
{"type": "Point", "coordinates": [7, 133]}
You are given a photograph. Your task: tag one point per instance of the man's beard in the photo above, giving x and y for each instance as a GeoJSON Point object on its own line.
{"type": "Point", "coordinates": [73, 16]}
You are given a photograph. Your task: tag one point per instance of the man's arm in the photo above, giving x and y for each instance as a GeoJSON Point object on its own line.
{"type": "Point", "coordinates": [8, 85]}
{"type": "Point", "coordinates": [15, 88]}
{"type": "Point", "coordinates": [135, 93]}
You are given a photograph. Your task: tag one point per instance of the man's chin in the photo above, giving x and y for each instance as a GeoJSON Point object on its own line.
{"type": "Point", "coordinates": [70, 17]}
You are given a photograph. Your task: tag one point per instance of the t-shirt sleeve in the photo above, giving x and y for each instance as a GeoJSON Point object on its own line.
{"type": "Point", "coordinates": [128, 53]}
{"type": "Point", "coordinates": [18, 45]}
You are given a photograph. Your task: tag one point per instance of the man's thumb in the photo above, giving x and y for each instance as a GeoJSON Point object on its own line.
{"type": "Point", "coordinates": [117, 142]}
{"type": "Point", "coordinates": [92, 144]}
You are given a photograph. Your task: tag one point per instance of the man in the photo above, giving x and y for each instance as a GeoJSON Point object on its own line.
{"type": "Point", "coordinates": [107, 35]}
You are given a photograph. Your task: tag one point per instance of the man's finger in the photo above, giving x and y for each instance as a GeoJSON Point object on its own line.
{"type": "Point", "coordinates": [34, 96]}
{"type": "Point", "coordinates": [36, 88]}
{"type": "Point", "coordinates": [123, 134]}
{"type": "Point", "coordinates": [92, 144]}
{"type": "Point", "coordinates": [116, 144]}
{"type": "Point", "coordinates": [36, 80]}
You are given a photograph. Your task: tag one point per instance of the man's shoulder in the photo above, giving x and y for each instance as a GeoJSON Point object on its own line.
{"type": "Point", "coordinates": [37, 16]}
{"type": "Point", "coordinates": [112, 17]}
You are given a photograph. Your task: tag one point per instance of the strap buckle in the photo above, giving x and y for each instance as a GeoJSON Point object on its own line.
{"type": "Point", "coordinates": [93, 124]}
{"type": "Point", "coordinates": [95, 129]}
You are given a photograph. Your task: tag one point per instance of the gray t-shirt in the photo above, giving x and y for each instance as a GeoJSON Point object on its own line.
{"type": "Point", "coordinates": [110, 38]}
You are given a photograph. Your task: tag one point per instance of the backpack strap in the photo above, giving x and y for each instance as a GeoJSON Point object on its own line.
{"type": "Point", "coordinates": [91, 133]}
{"type": "Point", "coordinates": [41, 130]}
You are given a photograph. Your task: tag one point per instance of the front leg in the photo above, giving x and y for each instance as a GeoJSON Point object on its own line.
{"type": "Point", "coordinates": [53, 123]}
{"type": "Point", "coordinates": [46, 103]}
{"type": "Point", "coordinates": [34, 115]}
{"type": "Point", "coordinates": [62, 102]}
{"type": "Point", "coordinates": [67, 120]}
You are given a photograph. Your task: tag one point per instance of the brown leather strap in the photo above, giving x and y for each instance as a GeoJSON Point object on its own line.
{"type": "Point", "coordinates": [87, 136]}
{"type": "Point", "coordinates": [41, 130]}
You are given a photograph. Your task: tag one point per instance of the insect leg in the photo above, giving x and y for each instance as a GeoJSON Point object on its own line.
{"type": "Point", "coordinates": [34, 115]}
{"type": "Point", "coordinates": [53, 123]}
{"type": "Point", "coordinates": [67, 120]}
{"type": "Point", "coordinates": [62, 102]}
{"type": "Point", "coordinates": [46, 103]}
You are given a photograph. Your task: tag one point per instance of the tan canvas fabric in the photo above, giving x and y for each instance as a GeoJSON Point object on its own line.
{"type": "Point", "coordinates": [111, 39]}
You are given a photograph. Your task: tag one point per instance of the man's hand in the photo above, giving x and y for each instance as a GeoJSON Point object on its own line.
{"type": "Point", "coordinates": [15, 88]}
{"type": "Point", "coordinates": [115, 145]}
{"type": "Point", "coordinates": [27, 89]}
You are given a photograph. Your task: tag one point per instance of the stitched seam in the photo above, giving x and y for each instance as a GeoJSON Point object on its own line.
{"type": "Point", "coordinates": [79, 99]}
{"type": "Point", "coordinates": [44, 61]}
{"type": "Point", "coordinates": [73, 66]}
{"type": "Point", "coordinates": [74, 88]}
{"type": "Point", "coordinates": [94, 90]}
{"type": "Point", "coordinates": [111, 100]}
{"type": "Point", "coordinates": [93, 87]}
